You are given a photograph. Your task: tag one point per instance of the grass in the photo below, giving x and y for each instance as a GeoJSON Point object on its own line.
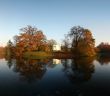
{"type": "Point", "coordinates": [37, 55]}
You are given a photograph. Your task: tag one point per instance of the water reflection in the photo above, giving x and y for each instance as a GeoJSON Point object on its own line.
{"type": "Point", "coordinates": [53, 63]}
{"type": "Point", "coordinates": [103, 59]}
{"type": "Point", "coordinates": [58, 77]}
{"type": "Point", "coordinates": [29, 70]}
{"type": "Point", "coordinates": [56, 61]}
{"type": "Point", "coordinates": [79, 69]}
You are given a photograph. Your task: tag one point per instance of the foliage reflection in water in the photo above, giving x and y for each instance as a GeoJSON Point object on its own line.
{"type": "Point", "coordinates": [55, 77]}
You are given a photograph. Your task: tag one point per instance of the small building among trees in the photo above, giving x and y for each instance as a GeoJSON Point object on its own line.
{"type": "Point", "coordinates": [56, 47]}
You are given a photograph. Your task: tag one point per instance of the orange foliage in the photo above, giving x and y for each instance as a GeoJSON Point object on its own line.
{"type": "Point", "coordinates": [31, 40]}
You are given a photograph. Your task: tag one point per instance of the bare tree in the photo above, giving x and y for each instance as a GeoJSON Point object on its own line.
{"type": "Point", "coordinates": [76, 33]}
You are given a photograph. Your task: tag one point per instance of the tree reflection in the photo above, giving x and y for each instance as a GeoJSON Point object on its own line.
{"type": "Point", "coordinates": [10, 61]}
{"type": "Point", "coordinates": [79, 69]}
{"type": "Point", "coordinates": [30, 70]}
{"type": "Point", "coordinates": [103, 59]}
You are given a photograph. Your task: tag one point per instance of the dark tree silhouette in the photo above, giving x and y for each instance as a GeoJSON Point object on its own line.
{"type": "Point", "coordinates": [103, 47]}
{"type": "Point", "coordinates": [82, 41]}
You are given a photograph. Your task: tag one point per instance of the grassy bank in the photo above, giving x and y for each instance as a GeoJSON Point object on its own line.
{"type": "Point", "coordinates": [41, 55]}
{"type": "Point", "coordinates": [37, 55]}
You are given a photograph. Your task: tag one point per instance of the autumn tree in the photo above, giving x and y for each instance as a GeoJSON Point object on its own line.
{"type": "Point", "coordinates": [82, 41]}
{"type": "Point", "coordinates": [30, 39]}
{"type": "Point", "coordinates": [104, 47]}
{"type": "Point", "coordinates": [2, 52]}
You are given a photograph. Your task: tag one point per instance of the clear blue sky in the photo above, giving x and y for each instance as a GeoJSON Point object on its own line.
{"type": "Point", "coordinates": [55, 17]}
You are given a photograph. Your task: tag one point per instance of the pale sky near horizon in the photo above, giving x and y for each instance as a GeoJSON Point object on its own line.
{"type": "Point", "coordinates": [55, 17]}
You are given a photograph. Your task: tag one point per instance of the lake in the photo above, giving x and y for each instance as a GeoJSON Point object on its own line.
{"type": "Point", "coordinates": [55, 77]}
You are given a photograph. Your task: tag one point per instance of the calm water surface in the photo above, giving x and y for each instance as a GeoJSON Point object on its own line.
{"type": "Point", "coordinates": [56, 77]}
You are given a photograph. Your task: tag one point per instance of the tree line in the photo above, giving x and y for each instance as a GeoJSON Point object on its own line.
{"type": "Point", "coordinates": [29, 40]}
{"type": "Point", "coordinates": [2, 52]}
{"type": "Point", "coordinates": [79, 41]}
{"type": "Point", "coordinates": [103, 47]}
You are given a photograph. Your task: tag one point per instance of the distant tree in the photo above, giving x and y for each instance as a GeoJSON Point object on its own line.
{"type": "Point", "coordinates": [65, 44]}
{"type": "Point", "coordinates": [103, 47]}
{"type": "Point", "coordinates": [2, 52]}
{"type": "Point", "coordinates": [51, 42]}
{"type": "Point", "coordinates": [82, 41]}
{"type": "Point", "coordinates": [9, 49]}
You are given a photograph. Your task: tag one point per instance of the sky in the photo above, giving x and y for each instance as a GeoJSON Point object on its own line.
{"type": "Point", "coordinates": [55, 17]}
